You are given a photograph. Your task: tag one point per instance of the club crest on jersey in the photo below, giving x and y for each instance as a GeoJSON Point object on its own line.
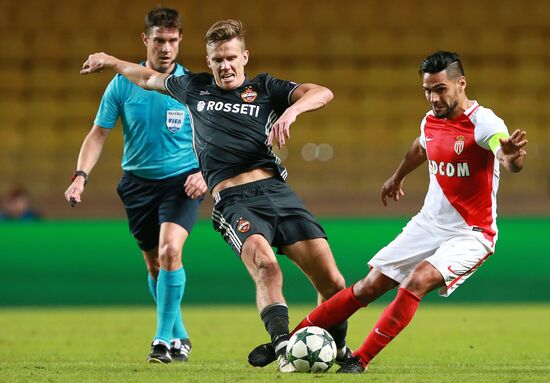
{"type": "Point", "coordinates": [249, 95]}
{"type": "Point", "coordinates": [243, 225]}
{"type": "Point", "coordinates": [459, 144]}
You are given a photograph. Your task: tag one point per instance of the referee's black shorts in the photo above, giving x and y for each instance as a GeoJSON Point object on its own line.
{"type": "Point", "coordinates": [149, 203]}
{"type": "Point", "coordinates": [267, 207]}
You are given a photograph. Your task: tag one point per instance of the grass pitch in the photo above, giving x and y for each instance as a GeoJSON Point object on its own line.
{"type": "Point", "coordinates": [444, 343]}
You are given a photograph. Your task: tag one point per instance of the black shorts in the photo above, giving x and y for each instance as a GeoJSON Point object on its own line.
{"type": "Point", "coordinates": [149, 203]}
{"type": "Point", "coordinates": [267, 207]}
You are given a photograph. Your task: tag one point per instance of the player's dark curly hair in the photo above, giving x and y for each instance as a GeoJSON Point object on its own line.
{"type": "Point", "coordinates": [224, 30]}
{"type": "Point", "coordinates": [440, 61]}
{"type": "Point", "coordinates": [163, 17]}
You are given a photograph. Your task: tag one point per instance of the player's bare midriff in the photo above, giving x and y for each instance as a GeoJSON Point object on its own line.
{"type": "Point", "coordinates": [243, 178]}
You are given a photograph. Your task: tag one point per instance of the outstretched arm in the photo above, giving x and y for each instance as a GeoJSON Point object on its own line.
{"type": "Point", "coordinates": [393, 187]}
{"type": "Point", "coordinates": [511, 154]}
{"type": "Point", "coordinates": [138, 74]}
{"type": "Point", "coordinates": [89, 154]}
{"type": "Point", "coordinates": [305, 98]}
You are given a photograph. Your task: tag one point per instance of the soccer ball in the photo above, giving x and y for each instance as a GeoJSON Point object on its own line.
{"type": "Point", "coordinates": [311, 349]}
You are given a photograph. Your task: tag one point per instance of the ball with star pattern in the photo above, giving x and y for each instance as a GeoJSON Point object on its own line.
{"type": "Point", "coordinates": [311, 349]}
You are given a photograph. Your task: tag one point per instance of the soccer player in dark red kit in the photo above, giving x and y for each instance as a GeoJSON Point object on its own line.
{"type": "Point", "coordinates": [455, 232]}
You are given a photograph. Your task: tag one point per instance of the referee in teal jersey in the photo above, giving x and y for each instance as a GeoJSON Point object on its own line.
{"type": "Point", "coordinates": [161, 186]}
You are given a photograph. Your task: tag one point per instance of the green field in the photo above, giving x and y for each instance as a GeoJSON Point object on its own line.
{"type": "Point", "coordinates": [74, 307]}
{"type": "Point", "coordinates": [444, 343]}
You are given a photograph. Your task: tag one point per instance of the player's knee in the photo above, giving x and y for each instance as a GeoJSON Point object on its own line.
{"type": "Point", "coordinates": [423, 279]}
{"type": "Point", "coordinates": [265, 268]}
{"type": "Point", "coordinates": [266, 264]}
{"type": "Point", "coordinates": [169, 252]}
{"type": "Point", "coordinates": [259, 258]}
{"type": "Point", "coordinates": [417, 286]}
{"type": "Point", "coordinates": [367, 289]}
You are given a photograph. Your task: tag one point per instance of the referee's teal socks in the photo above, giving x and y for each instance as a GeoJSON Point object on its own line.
{"type": "Point", "coordinates": [152, 283]}
{"type": "Point", "coordinates": [179, 331]}
{"type": "Point", "coordinates": [167, 292]}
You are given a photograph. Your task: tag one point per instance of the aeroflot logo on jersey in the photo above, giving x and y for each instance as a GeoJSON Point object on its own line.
{"type": "Point", "coordinates": [247, 109]}
{"type": "Point", "coordinates": [459, 169]}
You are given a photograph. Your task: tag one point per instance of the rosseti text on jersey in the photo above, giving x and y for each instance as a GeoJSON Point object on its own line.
{"type": "Point", "coordinates": [219, 106]}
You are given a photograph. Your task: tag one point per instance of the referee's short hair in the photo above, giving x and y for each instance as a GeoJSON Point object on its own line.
{"type": "Point", "coordinates": [163, 17]}
{"type": "Point", "coordinates": [440, 61]}
{"type": "Point", "coordinates": [224, 30]}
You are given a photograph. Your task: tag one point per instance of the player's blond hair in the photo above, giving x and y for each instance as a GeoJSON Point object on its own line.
{"type": "Point", "coordinates": [225, 30]}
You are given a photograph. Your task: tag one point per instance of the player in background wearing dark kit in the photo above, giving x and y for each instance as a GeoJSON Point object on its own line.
{"type": "Point", "coordinates": [161, 187]}
{"type": "Point", "coordinates": [235, 121]}
{"type": "Point", "coordinates": [455, 232]}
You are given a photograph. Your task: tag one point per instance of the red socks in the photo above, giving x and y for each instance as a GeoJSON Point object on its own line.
{"type": "Point", "coordinates": [344, 304]}
{"type": "Point", "coordinates": [335, 310]}
{"type": "Point", "coordinates": [394, 319]}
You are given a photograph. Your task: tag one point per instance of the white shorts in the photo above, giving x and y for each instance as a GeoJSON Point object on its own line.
{"type": "Point", "coordinates": [455, 256]}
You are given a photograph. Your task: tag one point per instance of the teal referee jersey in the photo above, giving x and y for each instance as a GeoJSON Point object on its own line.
{"type": "Point", "coordinates": [158, 141]}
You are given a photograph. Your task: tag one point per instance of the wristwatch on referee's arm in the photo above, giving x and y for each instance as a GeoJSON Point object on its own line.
{"type": "Point", "coordinates": [79, 173]}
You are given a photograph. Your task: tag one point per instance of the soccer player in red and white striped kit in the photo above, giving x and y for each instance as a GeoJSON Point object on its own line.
{"type": "Point", "coordinates": [455, 231]}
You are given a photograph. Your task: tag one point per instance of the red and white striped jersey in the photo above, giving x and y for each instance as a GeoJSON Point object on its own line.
{"type": "Point", "coordinates": [464, 172]}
